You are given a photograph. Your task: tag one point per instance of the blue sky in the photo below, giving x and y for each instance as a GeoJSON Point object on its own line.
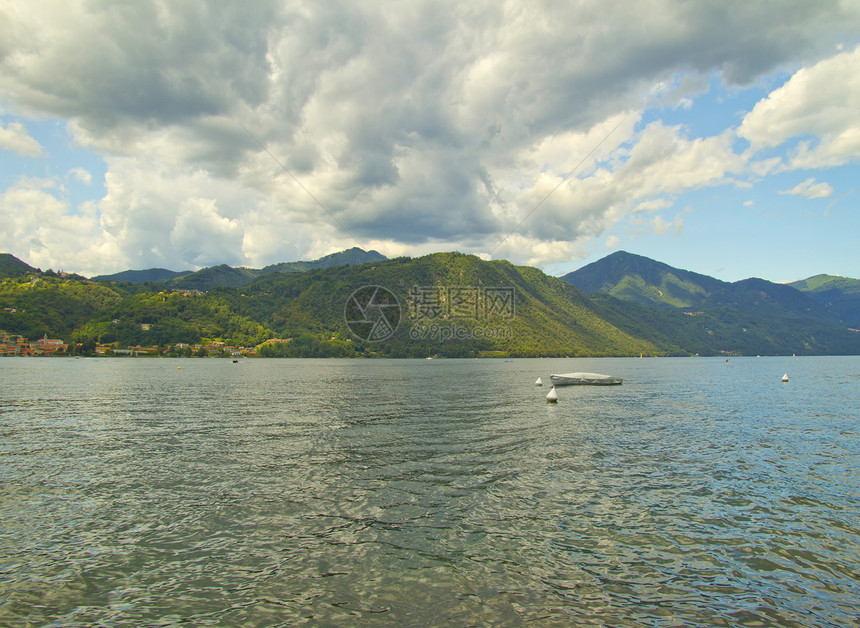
{"type": "Point", "coordinates": [60, 160]}
{"type": "Point", "coordinates": [715, 137]}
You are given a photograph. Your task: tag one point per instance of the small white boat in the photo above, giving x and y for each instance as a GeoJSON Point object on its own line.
{"type": "Point", "coordinates": [584, 379]}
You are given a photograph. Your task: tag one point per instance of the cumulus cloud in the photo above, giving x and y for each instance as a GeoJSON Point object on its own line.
{"type": "Point", "coordinates": [251, 134]}
{"type": "Point", "coordinates": [14, 137]}
{"type": "Point", "coordinates": [810, 189]}
{"type": "Point", "coordinates": [819, 101]}
{"type": "Point", "coordinates": [39, 224]}
{"type": "Point", "coordinates": [644, 175]}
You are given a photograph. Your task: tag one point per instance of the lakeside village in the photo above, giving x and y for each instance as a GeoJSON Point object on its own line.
{"type": "Point", "coordinates": [12, 345]}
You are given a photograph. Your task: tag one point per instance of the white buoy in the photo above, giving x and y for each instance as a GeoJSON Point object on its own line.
{"type": "Point", "coordinates": [538, 382]}
{"type": "Point", "coordinates": [552, 397]}
{"type": "Point", "coordinates": [785, 377]}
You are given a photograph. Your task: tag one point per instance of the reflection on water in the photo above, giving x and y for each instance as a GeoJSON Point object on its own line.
{"type": "Point", "coordinates": [443, 492]}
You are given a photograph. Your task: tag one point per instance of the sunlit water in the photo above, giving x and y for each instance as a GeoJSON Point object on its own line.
{"type": "Point", "coordinates": [429, 492]}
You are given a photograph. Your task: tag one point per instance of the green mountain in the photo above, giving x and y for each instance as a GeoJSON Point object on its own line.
{"type": "Point", "coordinates": [728, 331]}
{"type": "Point", "coordinates": [446, 304]}
{"type": "Point", "coordinates": [645, 281]}
{"type": "Point", "coordinates": [51, 305]}
{"type": "Point", "coordinates": [142, 276]}
{"type": "Point", "coordinates": [841, 295]}
{"type": "Point", "coordinates": [349, 257]}
{"type": "Point", "coordinates": [214, 277]}
{"type": "Point", "coordinates": [819, 284]}
{"type": "Point", "coordinates": [705, 315]}
{"type": "Point", "coordinates": [223, 275]}
{"type": "Point", "coordinates": [449, 304]}
{"type": "Point", "coordinates": [547, 315]}
{"type": "Point", "coordinates": [11, 266]}
{"type": "Point", "coordinates": [770, 299]}
{"type": "Point", "coordinates": [642, 280]}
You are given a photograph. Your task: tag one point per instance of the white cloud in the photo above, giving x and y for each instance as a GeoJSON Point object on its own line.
{"type": "Point", "coordinates": [644, 174]}
{"type": "Point", "coordinates": [613, 242]}
{"type": "Point", "coordinates": [818, 101]}
{"type": "Point", "coordinates": [417, 126]}
{"type": "Point", "coordinates": [40, 226]}
{"type": "Point", "coordinates": [810, 189]}
{"type": "Point", "coordinates": [82, 175]}
{"type": "Point", "coordinates": [654, 204]}
{"type": "Point", "coordinates": [663, 226]}
{"type": "Point", "coordinates": [201, 234]}
{"type": "Point", "coordinates": [14, 137]}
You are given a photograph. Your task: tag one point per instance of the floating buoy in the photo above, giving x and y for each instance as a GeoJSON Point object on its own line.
{"type": "Point", "coordinates": [785, 377]}
{"type": "Point", "coordinates": [178, 367]}
{"type": "Point", "coordinates": [538, 382]}
{"type": "Point", "coordinates": [552, 397]}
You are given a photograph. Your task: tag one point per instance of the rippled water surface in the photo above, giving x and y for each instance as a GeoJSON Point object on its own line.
{"type": "Point", "coordinates": [429, 492]}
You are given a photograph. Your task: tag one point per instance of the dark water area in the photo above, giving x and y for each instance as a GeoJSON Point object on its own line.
{"type": "Point", "coordinates": [700, 492]}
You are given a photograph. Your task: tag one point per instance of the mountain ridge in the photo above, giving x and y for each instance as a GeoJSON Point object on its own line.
{"type": "Point", "coordinates": [841, 295]}
{"type": "Point", "coordinates": [641, 280]}
{"type": "Point", "coordinates": [222, 275]}
{"type": "Point", "coordinates": [11, 266]}
{"type": "Point", "coordinates": [142, 276]}
{"type": "Point", "coordinates": [305, 312]}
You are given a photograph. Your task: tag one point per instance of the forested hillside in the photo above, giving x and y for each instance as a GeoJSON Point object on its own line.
{"type": "Point", "coordinates": [446, 304]}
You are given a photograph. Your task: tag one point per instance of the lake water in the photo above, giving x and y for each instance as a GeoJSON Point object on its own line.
{"type": "Point", "coordinates": [700, 492]}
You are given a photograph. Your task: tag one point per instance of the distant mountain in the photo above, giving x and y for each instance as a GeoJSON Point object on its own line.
{"type": "Point", "coordinates": [142, 276]}
{"type": "Point", "coordinates": [234, 277]}
{"type": "Point", "coordinates": [645, 281]}
{"type": "Point", "coordinates": [841, 295]}
{"type": "Point", "coordinates": [642, 280]}
{"type": "Point", "coordinates": [224, 275]}
{"type": "Point", "coordinates": [11, 267]}
{"type": "Point", "coordinates": [749, 316]}
{"type": "Point", "coordinates": [349, 257]}
{"type": "Point", "coordinates": [214, 277]}
{"type": "Point", "coordinates": [833, 284]}
{"type": "Point", "coordinates": [770, 299]}
{"type": "Point", "coordinates": [451, 304]}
